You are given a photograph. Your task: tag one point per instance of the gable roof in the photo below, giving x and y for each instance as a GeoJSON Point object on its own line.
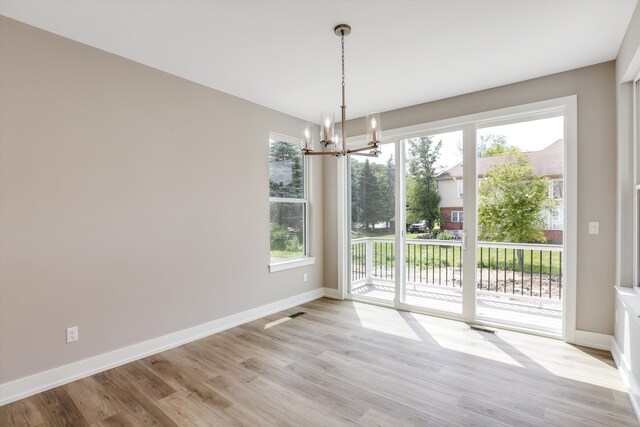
{"type": "Point", "coordinates": [546, 162]}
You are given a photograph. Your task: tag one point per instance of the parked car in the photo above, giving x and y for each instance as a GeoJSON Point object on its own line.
{"type": "Point", "coordinates": [418, 227]}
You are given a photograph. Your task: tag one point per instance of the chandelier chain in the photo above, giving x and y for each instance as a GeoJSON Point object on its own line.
{"type": "Point", "coordinates": [342, 40]}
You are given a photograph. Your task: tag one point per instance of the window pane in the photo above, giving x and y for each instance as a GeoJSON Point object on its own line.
{"type": "Point", "coordinates": [287, 229]}
{"type": "Point", "coordinates": [286, 170]}
{"type": "Point", "coordinates": [557, 220]}
{"type": "Point", "coordinates": [557, 189]}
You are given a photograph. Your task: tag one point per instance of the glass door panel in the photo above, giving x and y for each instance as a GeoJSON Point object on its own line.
{"type": "Point", "coordinates": [520, 190]}
{"type": "Point", "coordinates": [434, 222]}
{"type": "Point", "coordinates": [373, 201]}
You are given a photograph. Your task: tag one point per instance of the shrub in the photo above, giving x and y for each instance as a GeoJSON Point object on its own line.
{"type": "Point", "coordinates": [443, 236]}
{"type": "Point", "coordinates": [283, 240]}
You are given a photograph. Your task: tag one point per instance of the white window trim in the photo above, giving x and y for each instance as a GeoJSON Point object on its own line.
{"type": "Point", "coordinates": [280, 264]}
{"type": "Point", "coordinates": [291, 263]}
{"type": "Point", "coordinates": [458, 217]}
{"type": "Point", "coordinates": [636, 168]}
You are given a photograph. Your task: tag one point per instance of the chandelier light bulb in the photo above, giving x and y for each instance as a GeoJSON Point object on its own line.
{"type": "Point", "coordinates": [307, 137]}
{"type": "Point", "coordinates": [373, 128]}
{"type": "Point", "coordinates": [328, 125]}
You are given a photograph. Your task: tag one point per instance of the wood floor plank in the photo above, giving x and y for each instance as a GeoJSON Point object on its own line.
{"type": "Point", "coordinates": [185, 411]}
{"type": "Point", "coordinates": [367, 395]}
{"type": "Point", "coordinates": [149, 383]}
{"type": "Point", "coordinates": [116, 420]}
{"type": "Point", "coordinates": [349, 408]}
{"type": "Point", "coordinates": [21, 413]}
{"type": "Point", "coordinates": [117, 384]}
{"type": "Point", "coordinates": [58, 409]}
{"type": "Point", "coordinates": [188, 380]}
{"type": "Point", "coordinates": [345, 363]}
{"type": "Point", "coordinates": [93, 400]}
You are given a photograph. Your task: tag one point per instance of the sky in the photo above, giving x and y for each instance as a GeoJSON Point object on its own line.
{"type": "Point", "coordinates": [528, 136]}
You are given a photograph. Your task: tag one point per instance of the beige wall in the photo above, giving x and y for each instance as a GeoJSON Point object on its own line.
{"type": "Point", "coordinates": [594, 87]}
{"type": "Point", "coordinates": [132, 203]}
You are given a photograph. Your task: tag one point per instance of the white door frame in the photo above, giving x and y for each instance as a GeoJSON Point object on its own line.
{"type": "Point", "coordinates": [566, 105]}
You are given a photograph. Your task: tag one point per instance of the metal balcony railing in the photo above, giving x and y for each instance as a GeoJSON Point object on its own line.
{"type": "Point", "coordinates": [525, 271]}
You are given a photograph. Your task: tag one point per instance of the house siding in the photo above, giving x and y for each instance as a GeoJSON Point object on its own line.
{"type": "Point", "coordinates": [449, 194]}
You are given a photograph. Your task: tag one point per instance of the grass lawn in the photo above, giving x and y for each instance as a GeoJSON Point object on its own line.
{"type": "Point", "coordinates": [285, 254]}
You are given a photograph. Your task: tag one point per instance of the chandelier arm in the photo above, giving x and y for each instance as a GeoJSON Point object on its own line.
{"type": "Point", "coordinates": [324, 153]}
{"type": "Point", "coordinates": [357, 150]}
{"type": "Point", "coordinates": [364, 154]}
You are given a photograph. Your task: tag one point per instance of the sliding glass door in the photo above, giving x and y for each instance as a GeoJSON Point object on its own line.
{"type": "Point", "coordinates": [433, 219]}
{"type": "Point", "coordinates": [373, 222]}
{"type": "Point", "coordinates": [520, 192]}
{"type": "Point", "coordinates": [466, 221]}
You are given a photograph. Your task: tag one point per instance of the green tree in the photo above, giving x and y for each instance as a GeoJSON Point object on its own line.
{"type": "Point", "coordinates": [370, 197]}
{"type": "Point", "coordinates": [422, 190]}
{"type": "Point", "coordinates": [387, 178]}
{"type": "Point", "coordinates": [356, 207]}
{"type": "Point", "coordinates": [286, 173]}
{"type": "Point", "coordinates": [513, 201]}
{"type": "Point", "coordinates": [494, 145]}
{"type": "Point", "coordinates": [286, 180]}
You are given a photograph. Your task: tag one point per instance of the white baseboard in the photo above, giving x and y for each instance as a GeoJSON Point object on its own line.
{"type": "Point", "coordinates": [633, 388]}
{"type": "Point", "coordinates": [331, 293]}
{"type": "Point", "coordinates": [593, 340]}
{"type": "Point", "coordinates": [28, 386]}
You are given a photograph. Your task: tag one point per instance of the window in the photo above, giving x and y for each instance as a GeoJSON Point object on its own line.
{"type": "Point", "coordinates": [288, 199]}
{"type": "Point", "coordinates": [456, 216]}
{"type": "Point", "coordinates": [459, 187]}
{"type": "Point", "coordinates": [556, 217]}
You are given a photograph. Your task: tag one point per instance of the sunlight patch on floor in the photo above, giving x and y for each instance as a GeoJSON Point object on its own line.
{"type": "Point", "coordinates": [390, 323]}
{"type": "Point", "coordinates": [277, 322]}
{"type": "Point", "coordinates": [603, 374]}
{"type": "Point", "coordinates": [459, 337]}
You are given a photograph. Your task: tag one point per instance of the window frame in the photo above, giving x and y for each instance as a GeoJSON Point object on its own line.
{"type": "Point", "coordinates": [635, 123]}
{"type": "Point", "coordinates": [459, 188]}
{"type": "Point", "coordinates": [458, 215]}
{"type": "Point", "coordinates": [279, 264]}
{"type": "Point", "coordinates": [551, 225]}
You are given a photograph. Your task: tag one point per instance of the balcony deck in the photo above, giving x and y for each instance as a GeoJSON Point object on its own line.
{"type": "Point", "coordinates": [517, 284]}
{"type": "Point", "coordinates": [544, 317]}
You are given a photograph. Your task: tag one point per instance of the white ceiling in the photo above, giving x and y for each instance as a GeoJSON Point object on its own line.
{"type": "Point", "coordinates": [284, 55]}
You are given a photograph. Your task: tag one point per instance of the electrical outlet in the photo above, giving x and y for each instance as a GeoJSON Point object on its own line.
{"type": "Point", "coordinates": [594, 227]}
{"type": "Point", "coordinates": [305, 277]}
{"type": "Point", "coordinates": [72, 334]}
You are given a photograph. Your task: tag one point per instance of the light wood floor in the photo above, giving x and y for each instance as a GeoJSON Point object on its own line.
{"type": "Point", "coordinates": [344, 363]}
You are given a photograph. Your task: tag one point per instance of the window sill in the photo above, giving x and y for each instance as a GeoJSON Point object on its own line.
{"type": "Point", "coordinates": [630, 298]}
{"type": "Point", "coordinates": [293, 263]}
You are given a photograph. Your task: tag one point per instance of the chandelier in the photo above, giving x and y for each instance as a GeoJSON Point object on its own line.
{"type": "Point", "coordinates": [335, 143]}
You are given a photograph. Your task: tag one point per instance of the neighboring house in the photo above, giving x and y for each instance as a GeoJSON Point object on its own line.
{"type": "Point", "coordinates": [547, 162]}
